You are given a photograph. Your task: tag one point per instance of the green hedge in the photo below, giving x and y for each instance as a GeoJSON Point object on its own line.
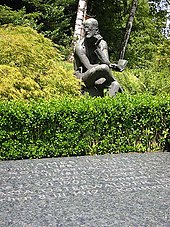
{"type": "Point", "coordinates": [84, 126]}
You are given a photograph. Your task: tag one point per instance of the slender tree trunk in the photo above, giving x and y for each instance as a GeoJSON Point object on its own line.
{"type": "Point", "coordinates": [81, 13]}
{"type": "Point", "coordinates": [167, 29]}
{"type": "Point", "coordinates": [128, 28]}
{"type": "Point", "coordinates": [78, 30]}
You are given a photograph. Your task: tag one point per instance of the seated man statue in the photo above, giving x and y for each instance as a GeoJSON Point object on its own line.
{"type": "Point", "coordinates": [92, 64]}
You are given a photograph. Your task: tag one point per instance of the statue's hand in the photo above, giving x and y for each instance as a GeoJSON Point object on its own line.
{"type": "Point", "coordinates": [113, 66]}
{"type": "Point", "coordinates": [120, 66]}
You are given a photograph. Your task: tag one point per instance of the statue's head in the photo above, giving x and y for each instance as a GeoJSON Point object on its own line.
{"type": "Point", "coordinates": [91, 27]}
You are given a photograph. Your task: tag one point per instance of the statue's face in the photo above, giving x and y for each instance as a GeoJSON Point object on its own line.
{"type": "Point", "coordinates": [90, 29]}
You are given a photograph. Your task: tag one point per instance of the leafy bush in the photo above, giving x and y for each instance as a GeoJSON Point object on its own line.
{"type": "Point", "coordinates": [149, 81]}
{"type": "Point", "coordinates": [72, 126]}
{"type": "Point", "coordinates": [31, 66]}
{"type": "Point", "coordinates": [20, 17]}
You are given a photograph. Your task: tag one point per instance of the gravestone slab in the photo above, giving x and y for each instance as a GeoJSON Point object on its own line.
{"type": "Point", "coordinates": [110, 190]}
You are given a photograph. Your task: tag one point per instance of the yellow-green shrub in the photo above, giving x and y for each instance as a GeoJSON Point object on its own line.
{"type": "Point", "coordinates": [31, 66]}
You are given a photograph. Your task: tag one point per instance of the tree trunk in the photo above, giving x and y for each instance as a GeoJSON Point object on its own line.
{"type": "Point", "coordinates": [81, 13]}
{"type": "Point", "coordinates": [128, 28]}
{"type": "Point", "coordinates": [167, 29]}
{"type": "Point", "coordinates": [78, 30]}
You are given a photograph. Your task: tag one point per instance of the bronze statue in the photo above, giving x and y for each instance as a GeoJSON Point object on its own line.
{"type": "Point", "coordinates": [92, 63]}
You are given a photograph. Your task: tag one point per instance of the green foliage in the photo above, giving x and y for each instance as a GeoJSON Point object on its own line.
{"type": "Point", "coordinates": [146, 36]}
{"type": "Point", "coordinates": [162, 56]}
{"type": "Point", "coordinates": [54, 18]}
{"type": "Point", "coordinates": [20, 17]}
{"type": "Point", "coordinates": [69, 127]}
{"type": "Point", "coordinates": [31, 66]}
{"type": "Point", "coordinates": [149, 81]}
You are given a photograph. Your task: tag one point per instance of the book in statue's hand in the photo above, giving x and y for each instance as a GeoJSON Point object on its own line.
{"type": "Point", "coordinates": [120, 66]}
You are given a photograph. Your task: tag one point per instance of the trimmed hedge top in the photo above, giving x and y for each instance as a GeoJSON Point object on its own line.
{"type": "Point", "coordinates": [84, 126]}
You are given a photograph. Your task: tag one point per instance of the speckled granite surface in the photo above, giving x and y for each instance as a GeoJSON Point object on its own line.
{"type": "Point", "coordinates": [110, 190]}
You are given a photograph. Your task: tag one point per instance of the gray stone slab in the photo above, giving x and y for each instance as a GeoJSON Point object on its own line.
{"type": "Point", "coordinates": [110, 190]}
